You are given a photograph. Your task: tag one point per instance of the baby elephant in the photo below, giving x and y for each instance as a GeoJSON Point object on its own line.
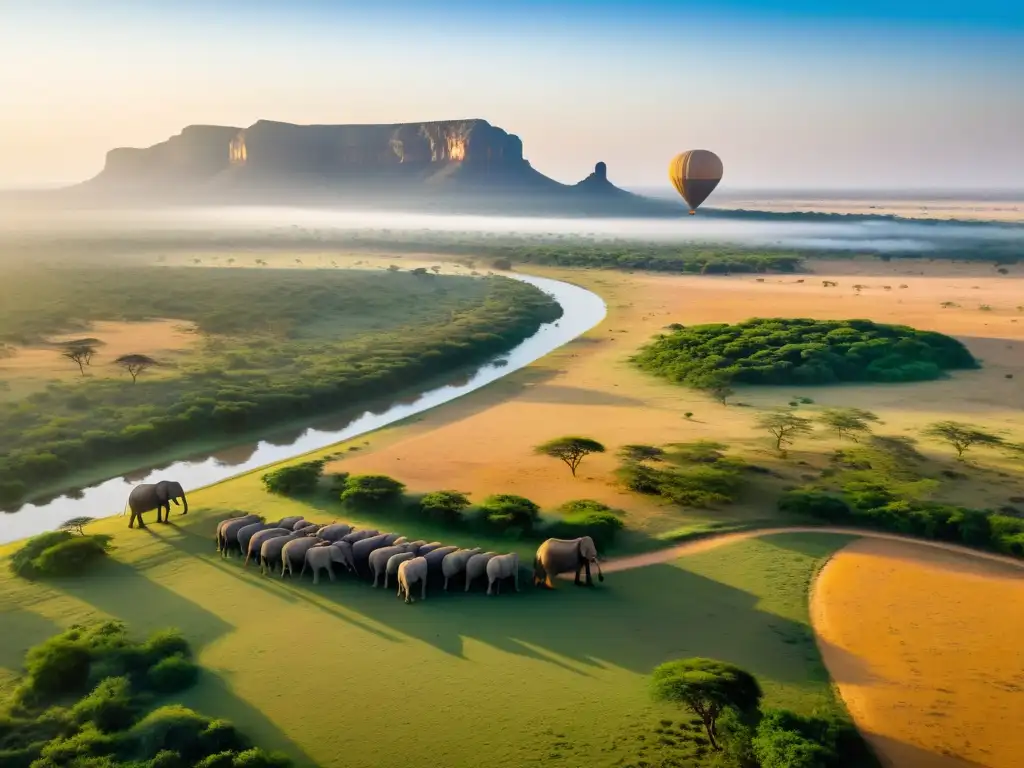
{"type": "Point", "coordinates": [378, 561]}
{"type": "Point", "coordinates": [409, 573]}
{"type": "Point", "coordinates": [393, 562]}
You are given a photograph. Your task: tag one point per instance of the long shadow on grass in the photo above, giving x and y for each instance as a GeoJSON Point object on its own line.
{"type": "Point", "coordinates": [125, 592]}
{"type": "Point", "coordinates": [21, 630]}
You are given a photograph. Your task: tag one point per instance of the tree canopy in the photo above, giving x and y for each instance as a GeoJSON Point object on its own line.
{"type": "Point", "coordinates": [570, 449]}
{"type": "Point", "coordinates": [706, 687]}
{"type": "Point", "coordinates": [777, 351]}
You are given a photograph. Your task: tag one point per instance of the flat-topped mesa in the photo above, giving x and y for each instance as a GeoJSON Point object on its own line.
{"type": "Point", "coordinates": [268, 148]}
{"type": "Point", "coordinates": [327, 149]}
{"type": "Point", "coordinates": [198, 152]}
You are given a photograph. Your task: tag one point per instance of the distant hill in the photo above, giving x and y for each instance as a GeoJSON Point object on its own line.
{"type": "Point", "coordinates": [453, 165]}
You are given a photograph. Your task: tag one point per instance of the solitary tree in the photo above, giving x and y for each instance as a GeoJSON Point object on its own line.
{"type": "Point", "coordinates": [960, 436]}
{"type": "Point", "coordinates": [847, 422]}
{"type": "Point", "coordinates": [707, 688]}
{"type": "Point", "coordinates": [79, 352]}
{"type": "Point", "coordinates": [571, 450]}
{"type": "Point", "coordinates": [785, 427]}
{"type": "Point", "coordinates": [135, 364]}
{"type": "Point", "coordinates": [76, 525]}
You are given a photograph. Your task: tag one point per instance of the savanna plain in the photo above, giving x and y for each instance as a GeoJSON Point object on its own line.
{"type": "Point", "coordinates": [829, 564]}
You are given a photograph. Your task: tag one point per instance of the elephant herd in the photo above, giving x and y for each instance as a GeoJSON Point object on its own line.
{"type": "Point", "coordinates": [296, 545]}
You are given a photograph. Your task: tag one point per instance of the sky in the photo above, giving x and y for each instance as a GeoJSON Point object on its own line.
{"type": "Point", "coordinates": [830, 94]}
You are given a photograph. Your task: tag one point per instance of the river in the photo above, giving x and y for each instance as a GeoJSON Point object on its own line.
{"type": "Point", "coordinates": [582, 310]}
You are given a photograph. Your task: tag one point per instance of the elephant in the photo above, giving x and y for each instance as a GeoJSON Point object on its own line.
{"type": "Point", "coordinates": [435, 557]}
{"type": "Point", "coordinates": [227, 532]}
{"type": "Point", "coordinates": [270, 552]}
{"type": "Point", "coordinates": [334, 531]}
{"type": "Point", "coordinates": [455, 563]}
{"type": "Point", "coordinates": [557, 556]}
{"type": "Point", "coordinates": [246, 533]}
{"type": "Point", "coordinates": [359, 535]}
{"type": "Point", "coordinates": [378, 560]}
{"type": "Point", "coordinates": [256, 542]}
{"type": "Point", "coordinates": [361, 549]}
{"type": "Point", "coordinates": [394, 562]}
{"type": "Point", "coordinates": [476, 567]}
{"type": "Point", "coordinates": [502, 567]}
{"type": "Point", "coordinates": [409, 573]}
{"type": "Point", "coordinates": [288, 522]}
{"type": "Point", "coordinates": [295, 552]}
{"type": "Point", "coordinates": [424, 548]}
{"type": "Point", "coordinates": [401, 540]}
{"type": "Point", "coordinates": [321, 556]}
{"type": "Point", "coordinates": [158, 496]}
{"type": "Point", "coordinates": [300, 523]}
{"type": "Point", "coordinates": [309, 529]}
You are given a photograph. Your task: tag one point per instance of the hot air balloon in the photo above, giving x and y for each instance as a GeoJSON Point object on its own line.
{"type": "Point", "coordinates": [695, 174]}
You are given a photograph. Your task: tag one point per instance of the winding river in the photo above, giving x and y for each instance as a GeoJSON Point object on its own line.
{"type": "Point", "coordinates": [582, 310]}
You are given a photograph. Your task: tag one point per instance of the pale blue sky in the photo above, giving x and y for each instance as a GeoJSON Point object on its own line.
{"type": "Point", "coordinates": [895, 94]}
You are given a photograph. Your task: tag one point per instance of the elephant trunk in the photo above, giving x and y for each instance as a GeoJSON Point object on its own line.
{"type": "Point", "coordinates": [600, 576]}
{"type": "Point", "coordinates": [184, 505]}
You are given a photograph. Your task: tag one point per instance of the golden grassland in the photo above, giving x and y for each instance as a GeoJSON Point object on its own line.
{"type": "Point", "coordinates": [26, 369]}
{"type": "Point", "coordinates": [924, 647]}
{"type": "Point", "coordinates": [483, 442]}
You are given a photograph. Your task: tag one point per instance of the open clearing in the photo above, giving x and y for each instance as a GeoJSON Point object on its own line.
{"type": "Point", "coordinates": [165, 340]}
{"type": "Point", "coordinates": [925, 648]}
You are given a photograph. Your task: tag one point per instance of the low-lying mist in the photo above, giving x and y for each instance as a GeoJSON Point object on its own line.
{"type": "Point", "coordinates": [815, 232]}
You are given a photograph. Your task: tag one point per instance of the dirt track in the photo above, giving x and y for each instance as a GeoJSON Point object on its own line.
{"type": "Point", "coordinates": [712, 542]}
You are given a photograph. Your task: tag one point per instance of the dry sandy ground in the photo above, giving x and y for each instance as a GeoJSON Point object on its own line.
{"type": "Point", "coordinates": [483, 442]}
{"type": "Point", "coordinates": [161, 339]}
{"type": "Point", "coordinates": [925, 648]}
{"type": "Point", "coordinates": [966, 210]}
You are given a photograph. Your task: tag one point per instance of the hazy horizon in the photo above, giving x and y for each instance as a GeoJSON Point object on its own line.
{"type": "Point", "coordinates": [898, 95]}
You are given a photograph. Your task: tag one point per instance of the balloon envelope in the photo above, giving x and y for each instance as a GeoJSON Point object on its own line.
{"type": "Point", "coordinates": [695, 174]}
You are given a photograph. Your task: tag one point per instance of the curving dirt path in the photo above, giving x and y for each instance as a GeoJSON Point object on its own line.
{"type": "Point", "coordinates": [922, 648]}
{"type": "Point", "coordinates": [713, 542]}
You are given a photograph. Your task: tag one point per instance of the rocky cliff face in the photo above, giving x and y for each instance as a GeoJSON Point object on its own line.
{"type": "Point", "coordinates": [450, 165]}
{"type": "Point", "coordinates": [269, 148]}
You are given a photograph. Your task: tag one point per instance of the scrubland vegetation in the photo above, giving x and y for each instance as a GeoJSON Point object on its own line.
{"type": "Point", "coordinates": [58, 554]}
{"type": "Point", "coordinates": [92, 696]}
{"type": "Point", "coordinates": [777, 351]}
{"type": "Point", "coordinates": [277, 345]}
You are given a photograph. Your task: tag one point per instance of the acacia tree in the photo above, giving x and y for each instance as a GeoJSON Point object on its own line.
{"type": "Point", "coordinates": [135, 364]}
{"type": "Point", "coordinates": [961, 436]}
{"type": "Point", "coordinates": [571, 450]}
{"type": "Point", "coordinates": [79, 352]}
{"type": "Point", "coordinates": [76, 525]}
{"type": "Point", "coordinates": [707, 688]}
{"type": "Point", "coordinates": [784, 426]}
{"type": "Point", "coordinates": [847, 422]}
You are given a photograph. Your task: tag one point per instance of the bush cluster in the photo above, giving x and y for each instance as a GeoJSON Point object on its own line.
{"type": "Point", "coordinates": [294, 480]}
{"type": "Point", "coordinates": [87, 700]}
{"type": "Point", "coordinates": [694, 474]}
{"type": "Point", "coordinates": [777, 351]}
{"type": "Point", "coordinates": [278, 345]}
{"type": "Point", "coordinates": [58, 554]}
{"type": "Point", "coordinates": [877, 506]}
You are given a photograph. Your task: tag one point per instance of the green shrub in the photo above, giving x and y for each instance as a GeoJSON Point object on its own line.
{"type": "Point", "coordinates": [109, 707]}
{"type": "Point", "coordinates": [509, 513]}
{"type": "Point", "coordinates": [444, 506]}
{"type": "Point", "coordinates": [21, 560]}
{"type": "Point", "coordinates": [586, 517]}
{"type": "Point", "coordinates": [164, 643]}
{"type": "Point", "coordinates": [172, 674]}
{"type": "Point", "coordinates": [71, 558]}
{"type": "Point", "coordinates": [294, 480]}
{"type": "Point", "coordinates": [371, 489]}
{"type": "Point", "coordinates": [819, 504]}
